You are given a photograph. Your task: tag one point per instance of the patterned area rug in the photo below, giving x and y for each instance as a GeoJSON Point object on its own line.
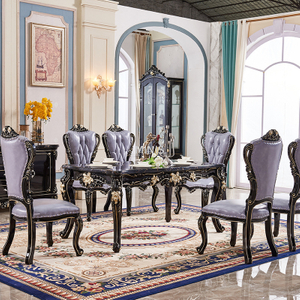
{"type": "Point", "coordinates": [155, 256]}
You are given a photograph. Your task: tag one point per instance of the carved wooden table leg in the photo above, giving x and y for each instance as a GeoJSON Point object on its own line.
{"type": "Point", "coordinates": [116, 201]}
{"type": "Point", "coordinates": [168, 201]}
{"type": "Point", "coordinates": [88, 199]}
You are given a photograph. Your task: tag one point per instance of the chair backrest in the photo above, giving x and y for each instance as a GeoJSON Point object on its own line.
{"type": "Point", "coordinates": [294, 156]}
{"type": "Point", "coordinates": [17, 153]}
{"type": "Point", "coordinates": [118, 143]}
{"type": "Point", "coordinates": [217, 145]}
{"type": "Point", "coordinates": [262, 158]}
{"type": "Point", "coordinates": [81, 144]}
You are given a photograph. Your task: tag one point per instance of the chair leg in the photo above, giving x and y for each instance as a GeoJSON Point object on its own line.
{"type": "Point", "coordinates": [202, 227]}
{"type": "Point", "coordinates": [128, 191]}
{"type": "Point", "coordinates": [88, 196]}
{"type": "Point", "coordinates": [270, 239]}
{"type": "Point", "coordinates": [31, 242]}
{"type": "Point", "coordinates": [49, 233]}
{"type": "Point", "coordinates": [108, 201]}
{"type": "Point", "coordinates": [204, 197]}
{"type": "Point", "coordinates": [178, 197]}
{"type": "Point", "coordinates": [77, 231]}
{"type": "Point", "coordinates": [94, 201]}
{"type": "Point", "coordinates": [276, 224]}
{"type": "Point", "coordinates": [252, 230]}
{"type": "Point", "coordinates": [290, 230]}
{"type": "Point", "coordinates": [68, 228]}
{"type": "Point", "coordinates": [154, 196]}
{"type": "Point", "coordinates": [11, 234]}
{"type": "Point", "coordinates": [246, 242]}
{"type": "Point", "coordinates": [234, 226]}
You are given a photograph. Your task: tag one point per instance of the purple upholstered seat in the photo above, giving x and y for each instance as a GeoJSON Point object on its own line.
{"type": "Point", "coordinates": [262, 157]}
{"type": "Point", "coordinates": [81, 146]}
{"type": "Point", "coordinates": [18, 153]}
{"type": "Point", "coordinates": [289, 204]}
{"type": "Point", "coordinates": [216, 146]}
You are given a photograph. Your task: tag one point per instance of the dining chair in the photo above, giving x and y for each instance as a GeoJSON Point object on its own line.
{"type": "Point", "coordinates": [262, 157]}
{"type": "Point", "coordinates": [217, 146]}
{"type": "Point", "coordinates": [289, 205]}
{"type": "Point", "coordinates": [81, 147]}
{"type": "Point", "coordinates": [118, 144]}
{"type": "Point", "coordinates": [18, 154]}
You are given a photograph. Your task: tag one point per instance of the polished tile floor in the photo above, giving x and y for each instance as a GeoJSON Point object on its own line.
{"type": "Point", "coordinates": [278, 280]}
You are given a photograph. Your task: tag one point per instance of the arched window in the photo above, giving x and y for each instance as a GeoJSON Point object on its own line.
{"type": "Point", "coordinates": [124, 92]}
{"type": "Point", "coordinates": [270, 98]}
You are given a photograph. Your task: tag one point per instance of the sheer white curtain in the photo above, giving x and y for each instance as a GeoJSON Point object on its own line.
{"type": "Point", "coordinates": [140, 56]}
{"type": "Point", "coordinates": [242, 37]}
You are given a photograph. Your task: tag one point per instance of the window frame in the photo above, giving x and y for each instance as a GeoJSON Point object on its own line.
{"type": "Point", "coordinates": [254, 42]}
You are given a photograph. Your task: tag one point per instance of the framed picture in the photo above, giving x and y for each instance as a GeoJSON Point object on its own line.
{"type": "Point", "coordinates": [48, 55]}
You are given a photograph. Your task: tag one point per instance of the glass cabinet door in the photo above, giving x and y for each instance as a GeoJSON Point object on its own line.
{"type": "Point", "coordinates": [160, 107]}
{"type": "Point", "coordinates": [176, 109]}
{"type": "Point", "coordinates": [148, 109]}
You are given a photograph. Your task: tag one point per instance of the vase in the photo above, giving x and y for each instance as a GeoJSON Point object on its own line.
{"type": "Point", "coordinates": [37, 134]}
{"type": "Point", "coordinates": [24, 131]}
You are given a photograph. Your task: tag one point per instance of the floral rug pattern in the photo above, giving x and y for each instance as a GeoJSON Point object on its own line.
{"type": "Point", "coordinates": [153, 254]}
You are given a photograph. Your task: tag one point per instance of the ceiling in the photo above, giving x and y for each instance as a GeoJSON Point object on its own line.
{"type": "Point", "coordinates": [216, 10]}
{"type": "Point", "coordinates": [223, 10]}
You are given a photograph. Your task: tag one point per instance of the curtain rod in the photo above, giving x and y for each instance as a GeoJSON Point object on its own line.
{"type": "Point", "coordinates": [275, 17]}
{"type": "Point", "coordinates": [141, 33]}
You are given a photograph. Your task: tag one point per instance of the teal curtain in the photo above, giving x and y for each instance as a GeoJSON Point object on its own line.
{"type": "Point", "coordinates": [229, 38]}
{"type": "Point", "coordinates": [147, 60]}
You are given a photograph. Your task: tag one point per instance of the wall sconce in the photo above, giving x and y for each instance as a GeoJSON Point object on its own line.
{"type": "Point", "coordinates": [102, 85]}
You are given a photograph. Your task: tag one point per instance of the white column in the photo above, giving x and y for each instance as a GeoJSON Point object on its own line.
{"type": "Point", "coordinates": [97, 53]}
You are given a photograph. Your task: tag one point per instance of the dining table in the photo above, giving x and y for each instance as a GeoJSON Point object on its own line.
{"type": "Point", "coordinates": [130, 174]}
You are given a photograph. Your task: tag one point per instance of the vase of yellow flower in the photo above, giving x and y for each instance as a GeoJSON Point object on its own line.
{"type": "Point", "coordinates": [40, 112]}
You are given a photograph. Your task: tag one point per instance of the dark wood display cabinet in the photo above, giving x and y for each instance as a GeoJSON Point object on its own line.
{"type": "Point", "coordinates": [161, 100]}
{"type": "Point", "coordinates": [43, 184]}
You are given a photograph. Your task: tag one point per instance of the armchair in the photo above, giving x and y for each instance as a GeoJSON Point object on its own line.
{"type": "Point", "coordinates": [217, 146]}
{"type": "Point", "coordinates": [262, 157]}
{"type": "Point", "coordinates": [289, 205]}
{"type": "Point", "coordinates": [81, 146]}
{"type": "Point", "coordinates": [118, 144]}
{"type": "Point", "coordinates": [18, 153]}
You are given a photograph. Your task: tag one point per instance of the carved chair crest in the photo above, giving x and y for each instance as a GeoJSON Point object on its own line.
{"type": "Point", "coordinates": [79, 128]}
{"type": "Point", "coordinates": [8, 132]}
{"type": "Point", "coordinates": [271, 135]}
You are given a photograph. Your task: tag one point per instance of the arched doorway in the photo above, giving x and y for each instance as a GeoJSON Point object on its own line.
{"type": "Point", "coordinates": [198, 75]}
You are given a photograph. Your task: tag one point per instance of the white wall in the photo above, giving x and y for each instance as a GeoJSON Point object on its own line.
{"type": "Point", "coordinates": [93, 49]}
{"type": "Point", "coordinates": [127, 17]}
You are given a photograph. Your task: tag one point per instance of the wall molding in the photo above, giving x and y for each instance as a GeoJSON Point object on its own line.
{"type": "Point", "coordinates": [99, 26]}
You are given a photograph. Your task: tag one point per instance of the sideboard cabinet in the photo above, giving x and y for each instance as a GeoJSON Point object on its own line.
{"type": "Point", "coordinates": [43, 184]}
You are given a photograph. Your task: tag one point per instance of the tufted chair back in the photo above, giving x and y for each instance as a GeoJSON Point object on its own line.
{"type": "Point", "coordinates": [15, 159]}
{"type": "Point", "coordinates": [297, 154]}
{"type": "Point", "coordinates": [262, 158]}
{"type": "Point", "coordinates": [217, 145]}
{"type": "Point", "coordinates": [118, 143]}
{"type": "Point", "coordinates": [81, 144]}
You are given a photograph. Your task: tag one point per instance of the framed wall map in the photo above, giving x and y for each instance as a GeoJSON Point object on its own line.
{"type": "Point", "coordinates": [47, 55]}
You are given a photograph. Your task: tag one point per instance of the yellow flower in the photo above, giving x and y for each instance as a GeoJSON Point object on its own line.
{"type": "Point", "coordinates": [38, 110]}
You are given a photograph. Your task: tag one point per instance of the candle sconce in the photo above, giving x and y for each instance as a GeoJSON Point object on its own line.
{"type": "Point", "coordinates": [101, 85]}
